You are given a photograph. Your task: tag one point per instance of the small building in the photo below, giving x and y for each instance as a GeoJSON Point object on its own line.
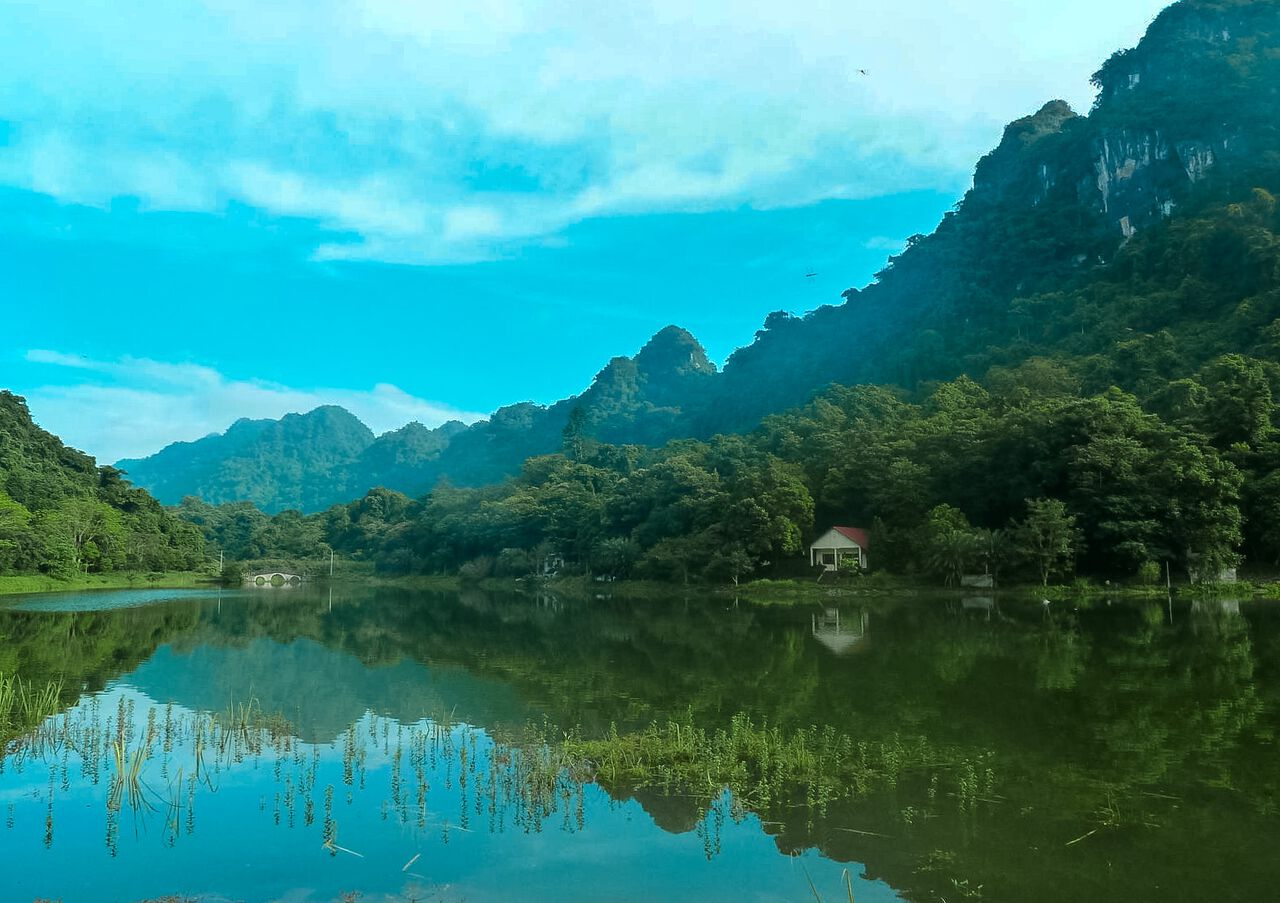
{"type": "Point", "coordinates": [840, 544]}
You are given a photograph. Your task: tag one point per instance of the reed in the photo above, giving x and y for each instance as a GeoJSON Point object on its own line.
{"type": "Point", "coordinates": [845, 878]}
{"type": "Point", "coordinates": [25, 704]}
{"type": "Point", "coordinates": [764, 766]}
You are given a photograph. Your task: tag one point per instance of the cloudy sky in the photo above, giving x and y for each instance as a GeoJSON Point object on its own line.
{"type": "Point", "coordinates": [232, 208]}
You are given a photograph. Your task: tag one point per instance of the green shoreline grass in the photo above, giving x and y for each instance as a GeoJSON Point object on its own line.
{"type": "Point", "coordinates": [783, 592]}
{"type": "Point", "coordinates": [12, 584]}
{"type": "Point", "coordinates": [797, 592]}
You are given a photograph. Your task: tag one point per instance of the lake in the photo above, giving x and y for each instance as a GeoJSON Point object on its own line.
{"type": "Point", "coordinates": [384, 744]}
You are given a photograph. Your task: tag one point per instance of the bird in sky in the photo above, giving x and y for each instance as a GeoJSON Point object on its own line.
{"type": "Point", "coordinates": [863, 72]}
{"type": "Point", "coordinates": [809, 275]}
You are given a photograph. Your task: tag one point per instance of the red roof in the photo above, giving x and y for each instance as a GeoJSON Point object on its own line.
{"type": "Point", "coordinates": [857, 534]}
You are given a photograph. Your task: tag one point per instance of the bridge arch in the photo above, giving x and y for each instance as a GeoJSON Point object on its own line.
{"type": "Point", "coordinates": [273, 579]}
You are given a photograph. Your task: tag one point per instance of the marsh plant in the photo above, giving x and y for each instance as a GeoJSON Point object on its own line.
{"type": "Point", "coordinates": [764, 767]}
{"type": "Point", "coordinates": [25, 704]}
{"type": "Point", "coordinates": [435, 778]}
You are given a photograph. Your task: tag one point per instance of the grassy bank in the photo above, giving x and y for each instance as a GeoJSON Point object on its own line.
{"type": "Point", "coordinates": [799, 592]}
{"type": "Point", "coordinates": [40, 583]}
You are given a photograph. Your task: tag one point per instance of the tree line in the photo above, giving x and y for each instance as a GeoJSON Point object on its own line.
{"type": "Point", "coordinates": [1025, 476]}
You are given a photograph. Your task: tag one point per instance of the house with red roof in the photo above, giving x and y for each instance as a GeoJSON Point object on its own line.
{"type": "Point", "coordinates": [840, 544]}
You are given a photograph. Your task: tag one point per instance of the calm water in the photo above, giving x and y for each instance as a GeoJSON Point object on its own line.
{"type": "Point", "coordinates": [300, 745]}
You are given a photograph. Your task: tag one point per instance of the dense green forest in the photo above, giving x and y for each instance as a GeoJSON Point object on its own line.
{"type": "Point", "coordinates": [1030, 474]}
{"type": "Point", "coordinates": [61, 514]}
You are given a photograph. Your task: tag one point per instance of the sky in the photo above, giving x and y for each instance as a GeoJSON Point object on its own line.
{"type": "Point", "coordinates": [214, 209]}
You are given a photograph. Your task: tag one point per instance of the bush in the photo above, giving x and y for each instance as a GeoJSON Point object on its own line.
{"type": "Point", "coordinates": [1149, 573]}
{"type": "Point", "coordinates": [514, 563]}
{"type": "Point", "coordinates": [477, 568]}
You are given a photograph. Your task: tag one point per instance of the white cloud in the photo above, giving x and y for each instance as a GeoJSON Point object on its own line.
{"type": "Point", "coordinates": [388, 118]}
{"type": "Point", "coordinates": [885, 243]}
{"type": "Point", "coordinates": [138, 406]}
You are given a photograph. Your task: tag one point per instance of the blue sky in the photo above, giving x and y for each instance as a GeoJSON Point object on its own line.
{"type": "Point", "coordinates": [225, 208]}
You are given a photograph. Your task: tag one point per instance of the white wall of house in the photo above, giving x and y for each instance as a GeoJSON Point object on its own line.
{"type": "Point", "coordinates": [832, 547]}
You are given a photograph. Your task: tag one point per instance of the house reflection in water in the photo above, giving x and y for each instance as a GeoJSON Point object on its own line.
{"type": "Point", "coordinates": [981, 605]}
{"type": "Point", "coordinates": [840, 635]}
{"type": "Point", "coordinates": [1229, 608]}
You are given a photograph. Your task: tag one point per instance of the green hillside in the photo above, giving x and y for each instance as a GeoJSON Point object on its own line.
{"type": "Point", "coordinates": [62, 515]}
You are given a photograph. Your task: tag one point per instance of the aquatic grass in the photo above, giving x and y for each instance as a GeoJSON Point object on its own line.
{"type": "Point", "coordinates": [25, 704]}
{"type": "Point", "coordinates": [525, 781]}
{"type": "Point", "coordinates": [126, 780]}
{"type": "Point", "coordinates": [764, 766]}
{"type": "Point", "coordinates": [845, 878]}
{"type": "Point", "coordinates": [244, 729]}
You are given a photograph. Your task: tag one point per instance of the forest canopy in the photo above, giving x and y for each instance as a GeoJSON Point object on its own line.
{"type": "Point", "coordinates": [61, 514]}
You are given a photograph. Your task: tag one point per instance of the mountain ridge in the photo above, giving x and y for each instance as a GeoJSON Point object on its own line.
{"type": "Point", "coordinates": [288, 463]}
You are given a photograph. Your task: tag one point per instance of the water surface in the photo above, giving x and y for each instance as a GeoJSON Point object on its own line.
{"type": "Point", "coordinates": [298, 745]}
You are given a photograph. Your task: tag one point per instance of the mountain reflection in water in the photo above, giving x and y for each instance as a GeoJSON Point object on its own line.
{"type": "Point", "coordinates": [246, 745]}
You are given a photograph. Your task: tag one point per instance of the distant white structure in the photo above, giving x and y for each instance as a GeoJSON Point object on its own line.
{"type": "Point", "coordinates": [274, 579]}
{"type": "Point", "coordinates": [840, 637]}
{"type": "Point", "coordinates": [840, 544]}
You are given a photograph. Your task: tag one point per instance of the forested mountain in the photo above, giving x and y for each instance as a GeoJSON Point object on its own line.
{"type": "Point", "coordinates": [61, 514]}
{"type": "Point", "coordinates": [1135, 228]}
{"type": "Point", "coordinates": [300, 461]}
{"type": "Point", "coordinates": [309, 461]}
{"type": "Point", "coordinates": [1132, 245]}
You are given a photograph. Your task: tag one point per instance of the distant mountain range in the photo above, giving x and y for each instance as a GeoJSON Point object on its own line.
{"type": "Point", "coordinates": [303, 461]}
{"type": "Point", "coordinates": [1064, 247]}
{"type": "Point", "coordinates": [313, 460]}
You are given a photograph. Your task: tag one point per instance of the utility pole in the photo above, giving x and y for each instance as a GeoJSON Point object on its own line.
{"type": "Point", "coordinates": [331, 562]}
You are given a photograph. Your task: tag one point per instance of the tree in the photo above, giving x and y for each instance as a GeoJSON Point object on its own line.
{"type": "Point", "coordinates": [948, 543]}
{"type": "Point", "coordinates": [1047, 538]}
{"type": "Point", "coordinates": [615, 557]}
{"type": "Point", "coordinates": [674, 558]}
{"type": "Point", "coordinates": [732, 562]}
{"type": "Point", "coordinates": [90, 530]}
{"type": "Point", "coordinates": [1240, 406]}
{"type": "Point", "coordinates": [575, 444]}
{"type": "Point", "coordinates": [15, 534]}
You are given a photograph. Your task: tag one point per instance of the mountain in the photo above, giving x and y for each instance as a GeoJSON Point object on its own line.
{"type": "Point", "coordinates": [275, 464]}
{"type": "Point", "coordinates": [644, 400]}
{"type": "Point", "coordinates": [61, 514]}
{"type": "Point", "coordinates": [313, 460]}
{"type": "Point", "coordinates": [1132, 244]}
{"type": "Point", "coordinates": [1184, 126]}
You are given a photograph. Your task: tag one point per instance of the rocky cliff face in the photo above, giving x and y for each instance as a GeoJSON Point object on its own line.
{"type": "Point", "coordinates": [1190, 114]}
{"type": "Point", "coordinates": [1185, 101]}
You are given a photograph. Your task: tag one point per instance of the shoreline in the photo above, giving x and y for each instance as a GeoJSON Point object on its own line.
{"type": "Point", "coordinates": [799, 592]}
{"type": "Point", "coordinates": [781, 592]}
{"type": "Point", "coordinates": [33, 584]}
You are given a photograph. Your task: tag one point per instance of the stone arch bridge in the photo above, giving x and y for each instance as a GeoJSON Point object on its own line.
{"type": "Point", "coordinates": [273, 579]}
